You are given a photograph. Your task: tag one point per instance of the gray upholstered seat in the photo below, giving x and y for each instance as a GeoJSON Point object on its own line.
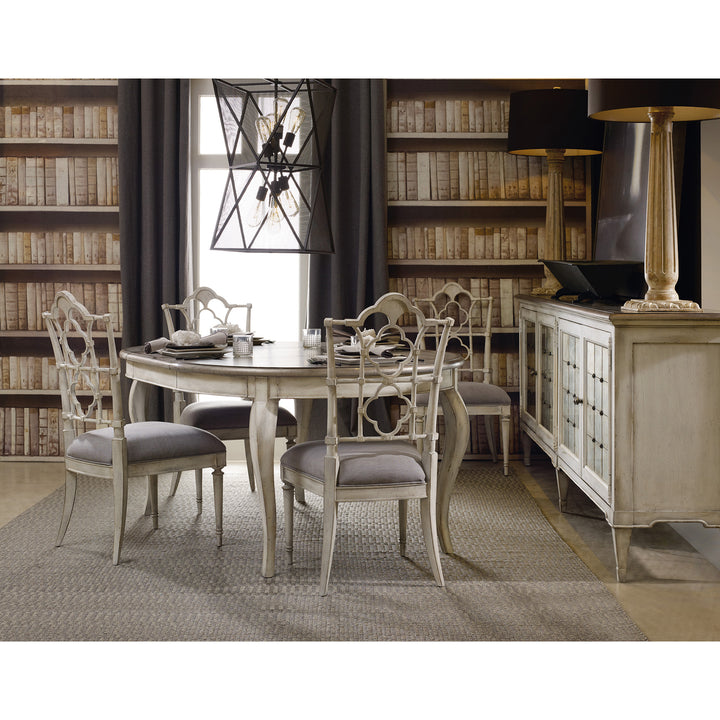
{"type": "Point", "coordinates": [216, 415]}
{"type": "Point", "coordinates": [476, 394]}
{"type": "Point", "coordinates": [146, 442]}
{"type": "Point", "coordinates": [370, 463]}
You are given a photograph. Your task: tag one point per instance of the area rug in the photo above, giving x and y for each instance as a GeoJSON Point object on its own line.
{"type": "Point", "coordinates": [511, 577]}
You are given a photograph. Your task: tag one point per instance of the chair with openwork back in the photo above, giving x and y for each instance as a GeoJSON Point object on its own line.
{"type": "Point", "coordinates": [98, 443]}
{"type": "Point", "coordinates": [367, 463]}
{"type": "Point", "coordinates": [473, 320]}
{"type": "Point", "coordinates": [227, 418]}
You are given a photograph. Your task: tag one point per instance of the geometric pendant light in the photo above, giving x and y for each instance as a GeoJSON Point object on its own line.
{"type": "Point", "coordinates": [276, 133]}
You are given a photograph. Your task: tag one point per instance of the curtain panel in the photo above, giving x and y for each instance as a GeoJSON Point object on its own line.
{"type": "Point", "coordinates": [343, 284]}
{"type": "Point", "coordinates": [153, 158]}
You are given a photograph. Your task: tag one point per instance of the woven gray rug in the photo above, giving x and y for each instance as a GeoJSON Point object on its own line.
{"type": "Point", "coordinates": [512, 577]}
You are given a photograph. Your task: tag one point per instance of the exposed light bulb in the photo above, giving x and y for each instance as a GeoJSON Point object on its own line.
{"type": "Point", "coordinates": [287, 199]}
{"type": "Point", "coordinates": [264, 127]}
{"type": "Point", "coordinates": [259, 210]}
{"type": "Point", "coordinates": [275, 213]}
{"type": "Point", "coordinates": [296, 118]}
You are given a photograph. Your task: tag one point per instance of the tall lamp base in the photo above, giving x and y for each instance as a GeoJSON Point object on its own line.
{"type": "Point", "coordinates": [661, 306]}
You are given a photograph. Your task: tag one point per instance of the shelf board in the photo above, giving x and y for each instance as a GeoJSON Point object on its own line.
{"type": "Point", "coordinates": [446, 136]}
{"type": "Point", "coordinates": [32, 458]}
{"type": "Point", "coordinates": [85, 268]}
{"type": "Point", "coordinates": [51, 82]}
{"type": "Point", "coordinates": [60, 208]}
{"type": "Point", "coordinates": [46, 391]}
{"type": "Point", "coordinates": [57, 141]}
{"type": "Point", "coordinates": [479, 203]}
{"type": "Point", "coordinates": [447, 262]}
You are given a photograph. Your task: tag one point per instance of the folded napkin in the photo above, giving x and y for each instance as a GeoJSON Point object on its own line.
{"type": "Point", "coordinates": [156, 345]}
{"type": "Point", "coordinates": [187, 339]}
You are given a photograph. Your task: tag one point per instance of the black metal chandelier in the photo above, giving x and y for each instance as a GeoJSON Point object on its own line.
{"type": "Point", "coordinates": [275, 134]}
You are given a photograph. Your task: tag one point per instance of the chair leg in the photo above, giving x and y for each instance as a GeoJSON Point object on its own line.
{"type": "Point", "coordinates": [428, 520]}
{"type": "Point", "coordinates": [120, 492]}
{"type": "Point", "coordinates": [402, 523]}
{"type": "Point", "coordinates": [490, 437]}
{"type": "Point", "coordinates": [328, 543]}
{"type": "Point", "coordinates": [198, 489]}
{"type": "Point", "coordinates": [153, 488]}
{"type": "Point", "coordinates": [218, 496]}
{"type": "Point", "coordinates": [248, 460]}
{"type": "Point", "coordinates": [175, 483]}
{"type": "Point", "coordinates": [68, 504]}
{"type": "Point", "coordinates": [505, 438]}
{"type": "Point", "coordinates": [289, 513]}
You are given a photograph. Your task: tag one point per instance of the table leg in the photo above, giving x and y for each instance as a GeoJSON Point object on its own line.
{"type": "Point", "coordinates": [263, 423]}
{"type": "Point", "coordinates": [457, 435]}
{"type": "Point", "coordinates": [303, 410]}
{"type": "Point", "coordinates": [136, 401]}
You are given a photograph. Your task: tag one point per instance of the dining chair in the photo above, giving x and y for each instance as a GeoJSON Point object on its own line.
{"type": "Point", "coordinates": [473, 320]}
{"type": "Point", "coordinates": [228, 419]}
{"type": "Point", "coordinates": [366, 462]}
{"type": "Point", "coordinates": [98, 443]}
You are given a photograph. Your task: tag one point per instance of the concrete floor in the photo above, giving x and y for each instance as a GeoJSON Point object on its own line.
{"type": "Point", "coordinates": [672, 591]}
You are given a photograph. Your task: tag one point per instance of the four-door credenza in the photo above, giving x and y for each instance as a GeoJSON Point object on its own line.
{"type": "Point", "coordinates": [627, 406]}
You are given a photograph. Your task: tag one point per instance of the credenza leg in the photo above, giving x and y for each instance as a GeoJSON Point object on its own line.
{"type": "Point", "coordinates": [621, 543]}
{"type": "Point", "coordinates": [527, 447]}
{"type": "Point", "coordinates": [563, 484]}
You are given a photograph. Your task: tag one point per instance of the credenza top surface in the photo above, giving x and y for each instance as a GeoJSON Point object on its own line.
{"type": "Point", "coordinates": [614, 314]}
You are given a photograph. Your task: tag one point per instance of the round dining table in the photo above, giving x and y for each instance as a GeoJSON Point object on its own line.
{"type": "Point", "coordinates": [284, 371]}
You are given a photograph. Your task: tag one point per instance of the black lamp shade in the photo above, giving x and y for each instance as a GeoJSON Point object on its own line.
{"type": "Point", "coordinates": [552, 119]}
{"type": "Point", "coordinates": [629, 100]}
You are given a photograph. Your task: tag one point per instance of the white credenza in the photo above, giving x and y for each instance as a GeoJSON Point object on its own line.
{"type": "Point", "coordinates": [627, 407]}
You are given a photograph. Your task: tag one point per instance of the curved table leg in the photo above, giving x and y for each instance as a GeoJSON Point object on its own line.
{"type": "Point", "coordinates": [263, 423]}
{"type": "Point", "coordinates": [457, 435]}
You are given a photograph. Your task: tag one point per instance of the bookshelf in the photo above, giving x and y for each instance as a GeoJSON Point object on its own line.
{"type": "Point", "coordinates": [59, 229]}
{"type": "Point", "coordinates": [460, 208]}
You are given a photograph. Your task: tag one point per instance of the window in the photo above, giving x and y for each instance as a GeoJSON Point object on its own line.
{"type": "Point", "coordinates": [275, 284]}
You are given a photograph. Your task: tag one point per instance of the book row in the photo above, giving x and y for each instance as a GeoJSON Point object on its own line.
{"type": "Point", "coordinates": [61, 181]}
{"type": "Point", "coordinates": [505, 310]}
{"type": "Point", "coordinates": [23, 303]}
{"type": "Point", "coordinates": [35, 431]}
{"type": "Point", "coordinates": [31, 431]}
{"type": "Point", "coordinates": [477, 175]}
{"type": "Point", "coordinates": [59, 248]}
{"type": "Point", "coordinates": [22, 372]}
{"type": "Point", "coordinates": [478, 243]}
{"type": "Point", "coordinates": [489, 115]}
{"type": "Point", "coordinates": [59, 121]}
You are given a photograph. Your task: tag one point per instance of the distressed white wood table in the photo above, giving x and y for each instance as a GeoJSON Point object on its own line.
{"type": "Point", "coordinates": [282, 371]}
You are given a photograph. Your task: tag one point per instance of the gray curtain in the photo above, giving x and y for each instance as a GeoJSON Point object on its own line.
{"type": "Point", "coordinates": [341, 285]}
{"type": "Point", "coordinates": [153, 150]}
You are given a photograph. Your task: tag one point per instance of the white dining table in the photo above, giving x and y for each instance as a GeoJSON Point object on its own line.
{"type": "Point", "coordinates": [274, 372]}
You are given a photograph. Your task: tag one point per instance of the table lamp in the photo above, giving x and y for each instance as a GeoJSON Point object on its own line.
{"type": "Point", "coordinates": [658, 102]}
{"type": "Point", "coordinates": [553, 122]}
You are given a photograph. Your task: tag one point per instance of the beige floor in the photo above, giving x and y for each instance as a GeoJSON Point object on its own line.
{"type": "Point", "coordinates": [672, 592]}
